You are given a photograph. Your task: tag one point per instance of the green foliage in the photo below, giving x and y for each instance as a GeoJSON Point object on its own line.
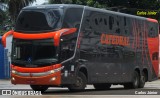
{"type": "Point", "coordinates": [8, 17]}
{"type": "Point", "coordinates": [138, 4]}
{"type": "Point", "coordinates": [141, 4]}
{"type": "Point", "coordinates": [92, 3]}
{"type": "Point", "coordinates": [6, 23]}
{"type": "Point", "coordinates": [16, 5]}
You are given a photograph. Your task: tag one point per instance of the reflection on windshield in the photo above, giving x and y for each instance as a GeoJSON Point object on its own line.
{"type": "Point", "coordinates": [34, 52]}
{"type": "Point", "coordinates": [37, 20]}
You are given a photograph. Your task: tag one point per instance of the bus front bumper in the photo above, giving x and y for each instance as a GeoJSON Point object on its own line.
{"type": "Point", "coordinates": [36, 78]}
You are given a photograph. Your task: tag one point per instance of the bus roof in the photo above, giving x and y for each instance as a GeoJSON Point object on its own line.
{"type": "Point", "coordinates": [48, 6]}
{"type": "Point", "coordinates": [122, 14]}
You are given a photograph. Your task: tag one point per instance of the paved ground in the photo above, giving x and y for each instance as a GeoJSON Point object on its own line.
{"type": "Point", "coordinates": [89, 96]}
{"type": "Point", "coordinates": [116, 91]}
{"type": "Point", "coordinates": [6, 84]}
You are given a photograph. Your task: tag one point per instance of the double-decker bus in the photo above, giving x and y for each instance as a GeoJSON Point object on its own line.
{"type": "Point", "coordinates": [65, 45]}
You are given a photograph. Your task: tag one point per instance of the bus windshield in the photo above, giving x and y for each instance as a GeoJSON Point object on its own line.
{"type": "Point", "coordinates": [33, 53]}
{"type": "Point", "coordinates": [38, 20]}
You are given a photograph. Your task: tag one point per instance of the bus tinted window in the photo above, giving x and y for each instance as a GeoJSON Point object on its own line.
{"type": "Point", "coordinates": [37, 20]}
{"type": "Point", "coordinates": [72, 18]}
{"type": "Point", "coordinates": [111, 22]}
{"type": "Point", "coordinates": [152, 30]}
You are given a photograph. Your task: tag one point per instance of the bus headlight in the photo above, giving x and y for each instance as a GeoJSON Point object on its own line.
{"type": "Point", "coordinates": [56, 70]}
{"type": "Point", "coordinates": [52, 71]}
{"type": "Point", "coordinates": [53, 79]}
{"type": "Point", "coordinates": [13, 78]}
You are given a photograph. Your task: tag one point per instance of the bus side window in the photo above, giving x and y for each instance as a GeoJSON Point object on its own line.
{"type": "Point", "coordinates": [125, 26]}
{"type": "Point", "coordinates": [155, 56]}
{"type": "Point", "coordinates": [67, 47]}
{"type": "Point", "coordinates": [72, 18]}
{"type": "Point", "coordinates": [125, 23]}
{"type": "Point", "coordinates": [117, 25]}
{"type": "Point", "coordinates": [151, 32]}
{"type": "Point", "coordinates": [105, 21]}
{"type": "Point", "coordinates": [66, 51]}
{"type": "Point", "coordinates": [111, 22]}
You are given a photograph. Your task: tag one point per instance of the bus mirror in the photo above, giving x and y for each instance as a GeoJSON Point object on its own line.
{"type": "Point", "coordinates": [5, 36]}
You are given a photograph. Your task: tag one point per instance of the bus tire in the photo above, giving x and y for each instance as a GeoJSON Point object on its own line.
{"type": "Point", "coordinates": [142, 80]}
{"type": "Point", "coordinates": [41, 88]}
{"type": "Point", "coordinates": [80, 84]}
{"type": "Point", "coordinates": [102, 86]}
{"type": "Point", "coordinates": [127, 86]}
{"type": "Point", "coordinates": [135, 82]}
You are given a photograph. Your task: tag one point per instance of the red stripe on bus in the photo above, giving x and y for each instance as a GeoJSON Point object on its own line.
{"type": "Point", "coordinates": [152, 49]}
{"type": "Point", "coordinates": [56, 35]}
{"type": "Point", "coordinates": [152, 20]}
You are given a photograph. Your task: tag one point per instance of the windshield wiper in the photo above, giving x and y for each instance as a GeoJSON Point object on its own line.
{"type": "Point", "coordinates": [19, 62]}
{"type": "Point", "coordinates": [53, 61]}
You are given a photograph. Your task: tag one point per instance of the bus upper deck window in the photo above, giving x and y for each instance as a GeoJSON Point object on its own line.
{"type": "Point", "coordinates": [125, 22]}
{"type": "Point", "coordinates": [37, 20]}
{"type": "Point", "coordinates": [111, 22]}
{"type": "Point", "coordinates": [53, 17]}
{"type": "Point", "coordinates": [105, 21]}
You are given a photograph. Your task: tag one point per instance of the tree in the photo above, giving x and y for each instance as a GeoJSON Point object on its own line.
{"type": "Point", "coordinates": [16, 5]}
{"type": "Point", "coordinates": [125, 6]}
{"type": "Point", "coordinates": [141, 4]}
{"type": "Point", "coordinates": [13, 7]}
{"type": "Point", "coordinates": [3, 7]}
{"type": "Point", "coordinates": [3, 17]}
{"type": "Point", "coordinates": [92, 3]}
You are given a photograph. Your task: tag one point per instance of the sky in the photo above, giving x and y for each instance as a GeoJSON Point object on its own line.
{"type": "Point", "coordinates": [39, 2]}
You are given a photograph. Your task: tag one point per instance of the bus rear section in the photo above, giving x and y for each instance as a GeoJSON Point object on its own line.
{"type": "Point", "coordinates": [73, 45]}
{"type": "Point", "coordinates": [118, 48]}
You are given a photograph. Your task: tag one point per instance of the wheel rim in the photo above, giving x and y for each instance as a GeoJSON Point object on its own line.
{"type": "Point", "coordinates": [136, 81]}
{"type": "Point", "coordinates": [79, 82]}
{"type": "Point", "coordinates": [143, 78]}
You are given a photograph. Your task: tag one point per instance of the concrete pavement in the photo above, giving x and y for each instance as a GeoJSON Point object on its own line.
{"type": "Point", "coordinates": [6, 84]}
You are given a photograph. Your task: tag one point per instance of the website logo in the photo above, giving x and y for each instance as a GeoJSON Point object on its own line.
{"type": "Point", "coordinates": [6, 92]}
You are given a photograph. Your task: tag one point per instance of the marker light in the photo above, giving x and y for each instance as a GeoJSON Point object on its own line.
{"type": "Point", "coordinates": [14, 72]}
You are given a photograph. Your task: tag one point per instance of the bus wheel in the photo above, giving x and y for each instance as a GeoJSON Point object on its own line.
{"type": "Point", "coordinates": [142, 80]}
{"type": "Point", "coordinates": [135, 82]}
{"type": "Point", "coordinates": [80, 84]}
{"type": "Point", "coordinates": [102, 86]}
{"type": "Point", "coordinates": [41, 88]}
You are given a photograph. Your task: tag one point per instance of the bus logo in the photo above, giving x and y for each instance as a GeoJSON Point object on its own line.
{"type": "Point", "coordinates": [114, 40]}
{"type": "Point", "coordinates": [29, 60]}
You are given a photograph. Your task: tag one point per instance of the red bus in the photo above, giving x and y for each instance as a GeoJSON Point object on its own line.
{"type": "Point", "coordinates": [72, 45]}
